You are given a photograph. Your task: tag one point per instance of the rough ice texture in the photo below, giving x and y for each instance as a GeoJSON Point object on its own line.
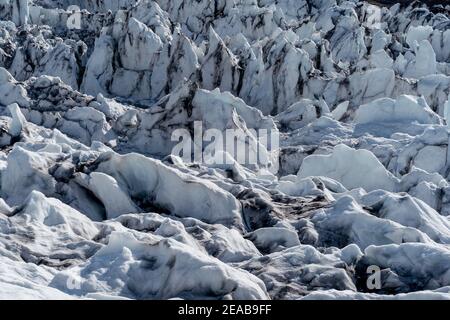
{"type": "Point", "coordinates": [93, 205]}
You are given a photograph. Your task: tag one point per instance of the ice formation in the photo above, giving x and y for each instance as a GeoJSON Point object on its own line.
{"type": "Point", "coordinates": [94, 203]}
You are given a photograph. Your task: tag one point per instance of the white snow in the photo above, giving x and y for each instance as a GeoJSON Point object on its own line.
{"type": "Point", "coordinates": [152, 180]}
{"type": "Point", "coordinates": [106, 188]}
{"type": "Point", "coordinates": [403, 109]}
{"type": "Point", "coordinates": [18, 120]}
{"type": "Point", "coordinates": [273, 239]}
{"type": "Point", "coordinates": [160, 269]}
{"type": "Point", "coordinates": [353, 168]}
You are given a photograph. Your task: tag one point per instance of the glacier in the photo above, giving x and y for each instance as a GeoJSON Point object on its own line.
{"type": "Point", "coordinates": [116, 181]}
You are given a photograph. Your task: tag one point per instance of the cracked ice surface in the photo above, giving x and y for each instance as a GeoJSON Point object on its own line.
{"type": "Point", "coordinates": [93, 204]}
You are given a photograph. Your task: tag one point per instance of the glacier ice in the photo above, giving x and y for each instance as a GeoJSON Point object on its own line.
{"type": "Point", "coordinates": [96, 204]}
